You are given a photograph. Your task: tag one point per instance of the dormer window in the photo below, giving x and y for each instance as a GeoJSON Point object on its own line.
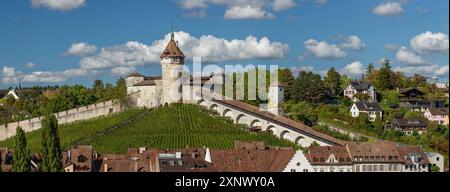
{"type": "Point", "coordinates": [81, 159]}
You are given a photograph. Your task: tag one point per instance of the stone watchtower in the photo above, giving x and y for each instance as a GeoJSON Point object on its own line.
{"type": "Point", "coordinates": [276, 98]}
{"type": "Point", "coordinates": [172, 63]}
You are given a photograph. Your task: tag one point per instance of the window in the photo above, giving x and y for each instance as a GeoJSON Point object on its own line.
{"type": "Point", "coordinates": [375, 168]}
{"type": "Point", "coordinates": [331, 169]}
{"type": "Point", "coordinates": [364, 168]}
{"type": "Point", "coordinates": [293, 171]}
{"type": "Point", "coordinates": [381, 167]}
{"type": "Point", "coordinates": [305, 170]}
{"type": "Point", "coordinates": [357, 168]}
{"type": "Point", "coordinates": [437, 158]}
{"type": "Point", "coordinates": [81, 159]}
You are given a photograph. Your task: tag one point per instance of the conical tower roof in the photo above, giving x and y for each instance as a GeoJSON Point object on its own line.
{"type": "Point", "coordinates": [172, 49]}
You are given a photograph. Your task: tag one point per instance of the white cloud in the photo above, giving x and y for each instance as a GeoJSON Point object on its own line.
{"type": "Point", "coordinates": [11, 75]}
{"type": "Point", "coordinates": [81, 49]}
{"type": "Point", "coordinates": [239, 9]}
{"type": "Point", "coordinates": [210, 48]}
{"type": "Point", "coordinates": [193, 4]}
{"type": "Point", "coordinates": [324, 50]}
{"type": "Point", "coordinates": [30, 65]}
{"type": "Point", "coordinates": [321, 2]}
{"type": "Point", "coordinates": [353, 42]}
{"type": "Point", "coordinates": [389, 9]}
{"type": "Point", "coordinates": [429, 71]}
{"type": "Point", "coordinates": [409, 58]}
{"type": "Point", "coordinates": [392, 47]}
{"type": "Point", "coordinates": [247, 12]}
{"type": "Point", "coordinates": [430, 42]}
{"type": "Point", "coordinates": [61, 5]}
{"type": "Point", "coordinates": [281, 5]}
{"type": "Point", "coordinates": [122, 71]}
{"type": "Point", "coordinates": [354, 69]}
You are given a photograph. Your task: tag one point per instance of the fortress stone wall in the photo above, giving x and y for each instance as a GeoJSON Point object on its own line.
{"type": "Point", "coordinates": [69, 116]}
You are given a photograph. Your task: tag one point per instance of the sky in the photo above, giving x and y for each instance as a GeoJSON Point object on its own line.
{"type": "Point", "coordinates": [55, 42]}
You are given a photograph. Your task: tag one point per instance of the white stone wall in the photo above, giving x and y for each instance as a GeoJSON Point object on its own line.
{"type": "Point", "coordinates": [81, 113]}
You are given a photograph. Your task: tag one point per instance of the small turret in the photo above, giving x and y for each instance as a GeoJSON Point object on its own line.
{"type": "Point", "coordinates": [276, 98]}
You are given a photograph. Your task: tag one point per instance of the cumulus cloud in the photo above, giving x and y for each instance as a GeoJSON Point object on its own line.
{"type": "Point", "coordinates": [30, 65]}
{"type": "Point", "coordinates": [122, 71]}
{"type": "Point", "coordinates": [389, 9]}
{"type": "Point", "coordinates": [354, 69]}
{"type": "Point", "coordinates": [323, 49]}
{"type": "Point", "coordinates": [247, 12]}
{"type": "Point", "coordinates": [432, 70]}
{"type": "Point", "coordinates": [239, 9]}
{"type": "Point", "coordinates": [81, 49]}
{"type": "Point", "coordinates": [392, 47]}
{"type": "Point", "coordinates": [409, 58]}
{"type": "Point", "coordinates": [61, 5]}
{"type": "Point", "coordinates": [353, 42]}
{"type": "Point", "coordinates": [281, 5]}
{"type": "Point", "coordinates": [11, 75]}
{"type": "Point", "coordinates": [430, 42]}
{"type": "Point", "coordinates": [210, 48]}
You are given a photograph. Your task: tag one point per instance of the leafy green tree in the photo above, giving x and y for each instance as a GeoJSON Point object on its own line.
{"type": "Point", "coordinates": [21, 161]}
{"type": "Point", "coordinates": [309, 87]}
{"type": "Point", "coordinates": [385, 77]}
{"type": "Point", "coordinates": [391, 99]}
{"type": "Point", "coordinates": [378, 125]}
{"type": "Point", "coordinates": [51, 145]}
{"type": "Point", "coordinates": [333, 81]}
{"type": "Point", "coordinates": [98, 89]}
{"type": "Point", "coordinates": [435, 168]}
{"type": "Point", "coordinates": [362, 96]}
{"type": "Point", "coordinates": [286, 78]}
{"type": "Point", "coordinates": [370, 68]}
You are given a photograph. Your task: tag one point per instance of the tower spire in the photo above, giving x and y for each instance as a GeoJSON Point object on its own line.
{"type": "Point", "coordinates": [172, 34]}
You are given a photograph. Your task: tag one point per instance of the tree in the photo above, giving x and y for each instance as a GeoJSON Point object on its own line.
{"type": "Point", "coordinates": [333, 81]}
{"type": "Point", "coordinates": [385, 77]}
{"type": "Point", "coordinates": [378, 125]}
{"type": "Point", "coordinates": [98, 89]}
{"type": "Point", "coordinates": [309, 87]}
{"type": "Point", "coordinates": [21, 161]}
{"type": "Point", "coordinates": [51, 145]}
{"type": "Point", "coordinates": [120, 89]}
{"type": "Point", "coordinates": [362, 97]}
{"type": "Point", "coordinates": [370, 68]}
{"type": "Point", "coordinates": [435, 168]}
{"type": "Point", "coordinates": [286, 78]}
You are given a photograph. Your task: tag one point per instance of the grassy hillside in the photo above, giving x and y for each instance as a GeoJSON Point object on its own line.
{"type": "Point", "coordinates": [73, 133]}
{"type": "Point", "coordinates": [176, 126]}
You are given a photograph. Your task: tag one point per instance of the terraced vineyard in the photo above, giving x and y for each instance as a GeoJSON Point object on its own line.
{"type": "Point", "coordinates": [72, 133]}
{"type": "Point", "coordinates": [176, 126]}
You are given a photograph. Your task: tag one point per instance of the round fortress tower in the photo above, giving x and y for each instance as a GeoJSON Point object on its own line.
{"type": "Point", "coordinates": [172, 63]}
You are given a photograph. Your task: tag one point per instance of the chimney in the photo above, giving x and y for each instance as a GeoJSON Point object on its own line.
{"type": "Point", "coordinates": [105, 167]}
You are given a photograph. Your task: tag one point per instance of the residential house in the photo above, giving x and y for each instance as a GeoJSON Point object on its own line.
{"type": "Point", "coordinates": [13, 93]}
{"type": "Point", "coordinates": [408, 126]}
{"type": "Point", "coordinates": [136, 160]}
{"type": "Point", "coordinates": [353, 88]}
{"type": "Point", "coordinates": [186, 160]}
{"type": "Point", "coordinates": [330, 159]}
{"type": "Point", "coordinates": [375, 157]}
{"type": "Point", "coordinates": [252, 159]}
{"type": "Point", "coordinates": [439, 115]}
{"type": "Point", "coordinates": [415, 100]}
{"type": "Point", "coordinates": [370, 108]}
{"type": "Point", "coordinates": [436, 159]}
{"type": "Point", "coordinates": [79, 159]}
{"type": "Point", "coordinates": [415, 159]}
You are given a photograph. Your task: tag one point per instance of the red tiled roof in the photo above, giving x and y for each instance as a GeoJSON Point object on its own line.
{"type": "Point", "coordinates": [319, 155]}
{"type": "Point", "coordinates": [172, 50]}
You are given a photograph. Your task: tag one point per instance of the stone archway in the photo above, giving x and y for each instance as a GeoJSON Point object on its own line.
{"type": "Point", "coordinates": [285, 135]}
{"type": "Point", "coordinates": [272, 129]}
{"type": "Point", "coordinates": [300, 140]}
{"type": "Point", "coordinates": [228, 113]}
{"type": "Point", "coordinates": [202, 102]}
{"type": "Point", "coordinates": [214, 107]}
{"type": "Point", "coordinates": [241, 119]}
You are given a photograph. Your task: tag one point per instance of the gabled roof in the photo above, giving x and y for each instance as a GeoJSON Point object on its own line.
{"type": "Point", "coordinates": [172, 49]}
{"type": "Point", "coordinates": [438, 111]}
{"type": "Point", "coordinates": [368, 106]}
{"type": "Point", "coordinates": [406, 123]}
{"type": "Point", "coordinates": [388, 150]}
{"type": "Point", "coordinates": [410, 152]}
{"type": "Point", "coordinates": [135, 75]}
{"type": "Point", "coordinates": [318, 155]}
{"type": "Point", "coordinates": [360, 85]}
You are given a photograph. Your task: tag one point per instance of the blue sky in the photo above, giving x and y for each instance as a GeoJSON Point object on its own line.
{"type": "Point", "coordinates": [77, 41]}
